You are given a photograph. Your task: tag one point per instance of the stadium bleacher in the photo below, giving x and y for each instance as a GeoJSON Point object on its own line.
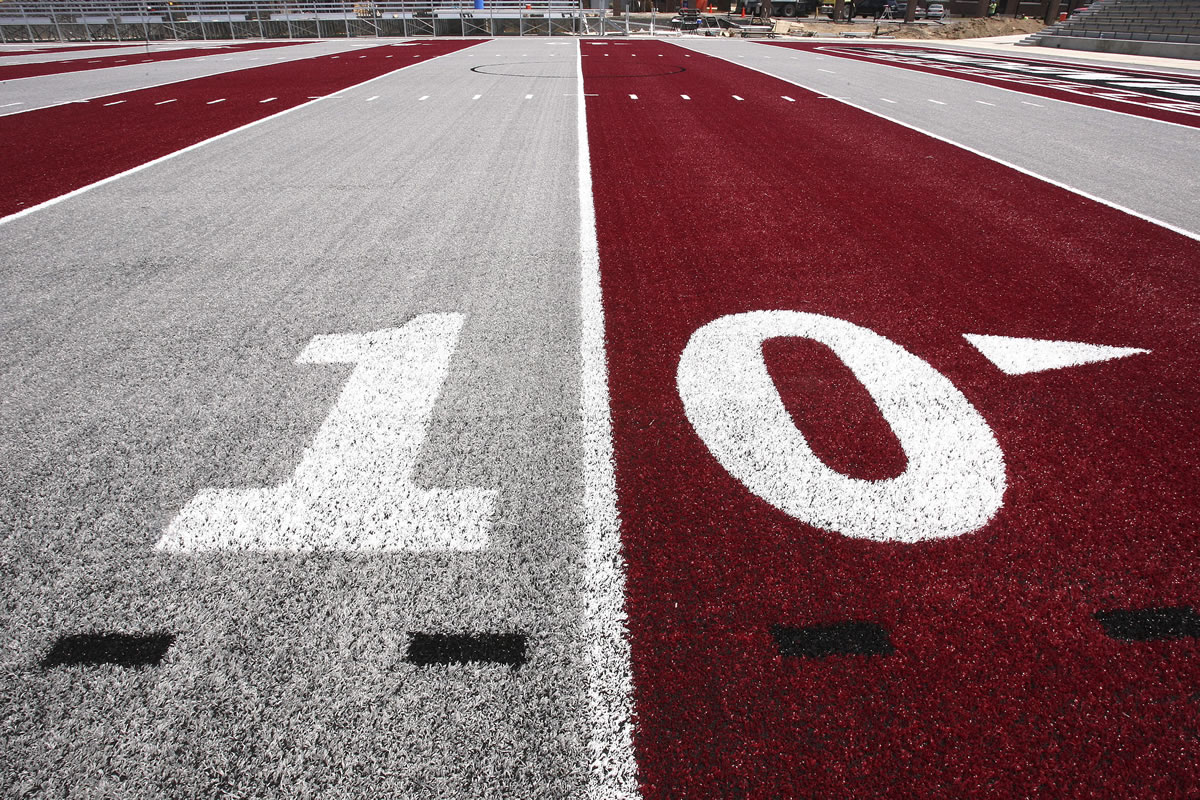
{"type": "Point", "coordinates": [1169, 28]}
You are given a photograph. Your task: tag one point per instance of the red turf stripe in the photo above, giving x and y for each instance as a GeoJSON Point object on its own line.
{"type": "Point", "coordinates": [1141, 105]}
{"type": "Point", "coordinates": [52, 151]}
{"type": "Point", "coordinates": [1001, 682]}
{"type": "Point", "coordinates": [13, 71]}
{"type": "Point", "coordinates": [40, 50]}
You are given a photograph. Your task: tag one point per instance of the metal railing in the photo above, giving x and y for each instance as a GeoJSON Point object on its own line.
{"type": "Point", "coordinates": [99, 20]}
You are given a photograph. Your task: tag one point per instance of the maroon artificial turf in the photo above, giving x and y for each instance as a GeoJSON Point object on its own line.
{"type": "Point", "coordinates": [1000, 682]}
{"type": "Point", "coordinates": [39, 50]}
{"type": "Point", "coordinates": [1179, 110]}
{"type": "Point", "coordinates": [10, 72]}
{"type": "Point", "coordinates": [52, 151]}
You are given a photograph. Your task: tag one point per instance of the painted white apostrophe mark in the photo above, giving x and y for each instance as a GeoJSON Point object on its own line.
{"type": "Point", "coordinates": [353, 487]}
{"type": "Point", "coordinates": [1017, 356]}
{"type": "Point", "coordinates": [955, 478]}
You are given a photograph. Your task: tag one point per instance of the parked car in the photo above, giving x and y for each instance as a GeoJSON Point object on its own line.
{"type": "Point", "coordinates": [935, 11]}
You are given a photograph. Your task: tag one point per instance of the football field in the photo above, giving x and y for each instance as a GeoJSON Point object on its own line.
{"type": "Point", "coordinates": [605, 418]}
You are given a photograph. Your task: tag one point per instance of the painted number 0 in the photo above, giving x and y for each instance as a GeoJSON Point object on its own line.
{"type": "Point", "coordinates": [955, 479]}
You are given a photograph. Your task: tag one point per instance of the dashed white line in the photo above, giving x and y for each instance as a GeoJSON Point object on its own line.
{"type": "Point", "coordinates": [372, 98]}
{"type": "Point", "coordinates": [685, 97]}
{"type": "Point", "coordinates": [214, 102]}
{"type": "Point", "coordinates": [831, 72]}
{"type": "Point", "coordinates": [476, 97]}
{"type": "Point", "coordinates": [424, 97]}
{"type": "Point", "coordinates": [789, 99]}
{"type": "Point", "coordinates": [985, 103]}
{"type": "Point", "coordinates": [164, 102]}
{"type": "Point", "coordinates": [632, 96]}
{"type": "Point", "coordinates": [938, 102]}
{"type": "Point", "coordinates": [115, 103]}
{"type": "Point", "coordinates": [528, 97]}
{"type": "Point", "coordinates": [1035, 105]}
{"type": "Point", "coordinates": [18, 103]}
{"type": "Point", "coordinates": [269, 99]}
{"type": "Point", "coordinates": [735, 97]}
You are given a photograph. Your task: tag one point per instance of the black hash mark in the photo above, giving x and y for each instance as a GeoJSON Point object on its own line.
{"type": "Point", "coordinates": [122, 649]}
{"type": "Point", "coordinates": [1150, 624]}
{"type": "Point", "coordinates": [448, 648]}
{"type": "Point", "coordinates": [841, 638]}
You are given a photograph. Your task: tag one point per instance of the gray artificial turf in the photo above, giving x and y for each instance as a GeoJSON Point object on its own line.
{"type": "Point", "coordinates": [148, 332]}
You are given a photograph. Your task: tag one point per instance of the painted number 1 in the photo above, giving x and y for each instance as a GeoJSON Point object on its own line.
{"type": "Point", "coordinates": [353, 488]}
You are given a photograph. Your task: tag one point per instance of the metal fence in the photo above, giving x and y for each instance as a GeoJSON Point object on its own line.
{"type": "Point", "coordinates": [97, 20]}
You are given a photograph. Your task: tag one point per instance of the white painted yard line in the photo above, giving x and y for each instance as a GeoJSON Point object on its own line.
{"type": "Point", "coordinates": [1096, 198]}
{"type": "Point", "coordinates": [685, 97]}
{"type": "Point", "coordinates": [164, 102]}
{"type": "Point", "coordinates": [938, 102]}
{"type": "Point", "coordinates": [735, 97]}
{"type": "Point", "coordinates": [612, 773]}
{"type": "Point", "coordinates": [104, 181]}
{"type": "Point", "coordinates": [789, 99]}
{"type": "Point", "coordinates": [884, 99]}
{"type": "Point", "coordinates": [985, 103]}
{"type": "Point", "coordinates": [268, 100]}
{"type": "Point", "coordinates": [373, 98]}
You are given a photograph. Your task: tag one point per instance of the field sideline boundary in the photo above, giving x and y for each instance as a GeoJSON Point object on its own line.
{"type": "Point", "coordinates": [1195, 236]}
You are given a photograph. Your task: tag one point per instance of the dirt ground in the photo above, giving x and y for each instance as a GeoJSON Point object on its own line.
{"type": "Point", "coordinates": [951, 29]}
{"type": "Point", "coordinates": [959, 28]}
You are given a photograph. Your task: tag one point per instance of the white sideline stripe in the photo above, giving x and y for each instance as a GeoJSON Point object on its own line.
{"type": "Point", "coordinates": [1117, 206]}
{"type": "Point", "coordinates": [103, 181]}
{"type": "Point", "coordinates": [612, 773]}
{"type": "Point", "coordinates": [209, 103]}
